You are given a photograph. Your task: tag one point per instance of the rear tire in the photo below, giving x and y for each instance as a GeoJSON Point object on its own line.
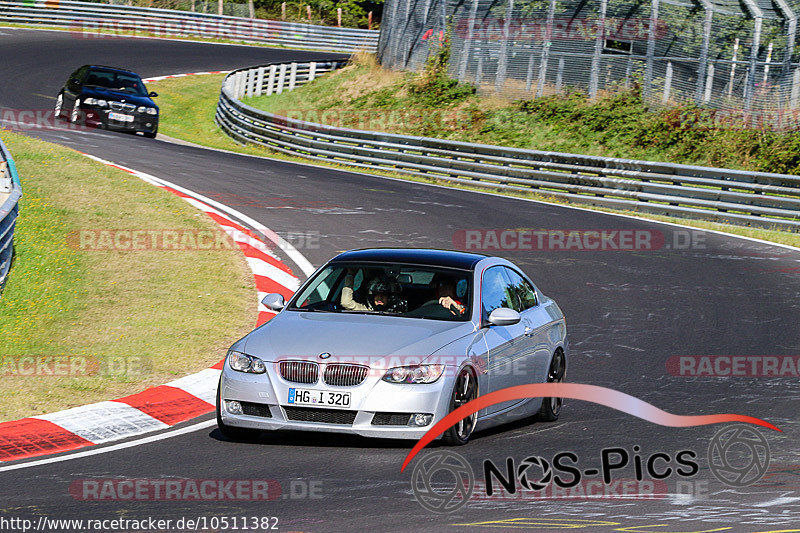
{"type": "Point", "coordinates": [465, 390]}
{"type": "Point", "coordinates": [230, 432]}
{"type": "Point", "coordinates": [551, 407]}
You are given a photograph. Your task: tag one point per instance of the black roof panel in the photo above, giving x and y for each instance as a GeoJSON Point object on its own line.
{"type": "Point", "coordinates": [441, 258]}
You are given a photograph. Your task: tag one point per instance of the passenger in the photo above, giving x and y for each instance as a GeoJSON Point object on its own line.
{"type": "Point", "coordinates": [383, 294]}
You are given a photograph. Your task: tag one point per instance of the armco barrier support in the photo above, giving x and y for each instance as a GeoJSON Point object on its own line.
{"type": "Point", "coordinates": [720, 195]}
{"type": "Point", "coordinates": [8, 210]}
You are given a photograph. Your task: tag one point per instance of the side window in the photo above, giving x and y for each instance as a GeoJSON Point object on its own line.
{"type": "Point", "coordinates": [495, 291]}
{"type": "Point", "coordinates": [522, 290]}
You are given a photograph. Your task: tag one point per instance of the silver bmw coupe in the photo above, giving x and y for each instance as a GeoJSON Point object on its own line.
{"type": "Point", "coordinates": [386, 342]}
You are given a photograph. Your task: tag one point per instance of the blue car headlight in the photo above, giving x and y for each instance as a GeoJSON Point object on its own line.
{"type": "Point", "coordinates": [414, 374]}
{"type": "Point", "coordinates": [245, 363]}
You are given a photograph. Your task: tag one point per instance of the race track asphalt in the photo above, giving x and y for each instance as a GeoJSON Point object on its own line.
{"type": "Point", "coordinates": [628, 312]}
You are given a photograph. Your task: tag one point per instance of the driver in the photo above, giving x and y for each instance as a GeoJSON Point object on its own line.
{"type": "Point", "coordinates": [446, 294]}
{"type": "Point", "coordinates": [383, 294]}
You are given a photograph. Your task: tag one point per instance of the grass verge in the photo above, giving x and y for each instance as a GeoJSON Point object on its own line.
{"type": "Point", "coordinates": [81, 325]}
{"type": "Point", "coordinates": [188, 105]}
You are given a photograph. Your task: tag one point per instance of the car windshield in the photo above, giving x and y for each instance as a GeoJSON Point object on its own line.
{"type": "Point", "coordinates": [387, 289]}
{"type": "Point", "coordinates": [117, 81]}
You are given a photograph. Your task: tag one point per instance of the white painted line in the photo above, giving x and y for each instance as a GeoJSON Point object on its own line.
{"type": "Point", "coordinates": [104, 421]}
{"type": "Point", "coordinates": [203, 384]}
{"type": "Point", "coordinates": [113, 448]}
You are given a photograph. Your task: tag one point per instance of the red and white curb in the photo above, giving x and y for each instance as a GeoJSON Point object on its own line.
{"type": "Point", "coordinates": [163, 406]}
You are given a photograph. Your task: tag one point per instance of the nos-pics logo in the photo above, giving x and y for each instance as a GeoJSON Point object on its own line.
{"type": "Point", "coordinates": [443, 481]}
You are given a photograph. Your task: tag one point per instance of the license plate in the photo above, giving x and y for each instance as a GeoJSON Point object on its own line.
{"type": "Point", "coordinates": [119, 117]}
{"type": "Point", "coordinates": [319, 398]}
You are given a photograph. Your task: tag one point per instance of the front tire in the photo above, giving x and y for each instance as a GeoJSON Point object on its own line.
{"type": "Point", "coordinates": [551, 407]}
{"type": "Point", "coordinates": [465, 390]}
{"type": "Point", "coordinates": [229, 432]}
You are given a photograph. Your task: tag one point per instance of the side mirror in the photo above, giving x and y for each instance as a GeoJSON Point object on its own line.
{"type": "Point", "coordinates": [152, 94]}
{"type": "Point", "coordinates": [503, 316]}
{"type": "Point", "coordinates": [275, 301]}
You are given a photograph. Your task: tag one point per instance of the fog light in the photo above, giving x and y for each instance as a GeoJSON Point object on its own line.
{"type": "Point", "coordinates": [148, 125]}
{"type": "Point", "coordinates": [233, 407]}
{"type": "Point", "coordinates": [420, 419]}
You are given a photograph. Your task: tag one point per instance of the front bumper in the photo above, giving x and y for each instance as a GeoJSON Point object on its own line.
{"type": "Point", "coordinates": [270, 391]}
{"type": "Point", "coordinates": [98, 117]}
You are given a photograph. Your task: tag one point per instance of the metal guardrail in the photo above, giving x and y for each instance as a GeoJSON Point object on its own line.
{"type": "Point", "coordinates": [9, 185]}
{"type": "Point", "coordinates": [720, 195]}
{"type": "Point", "coordinates": [120, 20]}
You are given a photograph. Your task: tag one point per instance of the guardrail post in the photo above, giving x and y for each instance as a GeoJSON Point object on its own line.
{"type": "Point", "coordinates": [594, 75]}
{"type": "Point", "coordinates": [281, 79]}
{"type": "Point", "coordinates": [795, 97]}
{"type": "Point", "coordinates": [260, 82]}
{"type": "Point", "coordinates": [628, 73]}
{"type": "Point", "coordinates": [529, 74]}
{"type": "Point", "coordinates": [651, 49]}
{"type": "Point", "coordinates": [709, 84]}
{"type": "Point", "coordinates": [292, 76]}
{"type": "Point", "coordinates": [5, 177]}
{"type": "Point", "coordinates": [312, 71]}
{"type": "Point", "coordinates": [701, 69]}
{"type": "Point", "coordinates": [467, 48]}
{"type": "Point", "coordinates": [250, 82]}
{"type": "Point", "coordinates": [667, 83]}
{"type": "Point", "coordinates": [560, 74]}
{"type": "Point", "coordinates": [548, 42]}
{"type": "Point", "coordinates": [758, 18]}
{"type": "Point", "coordinates": [271, 81]}
{"type": "Point", "coordinates": [502, 62]}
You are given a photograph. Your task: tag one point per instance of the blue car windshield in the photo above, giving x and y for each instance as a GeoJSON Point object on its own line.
{"type": "Point", "coordinates": [116, 81]}
{"type": "Point", "coordinates": [398, 290]}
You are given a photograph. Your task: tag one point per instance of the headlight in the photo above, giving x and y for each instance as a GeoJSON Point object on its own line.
{"type": "Point", "coordinates": [414, 374]}
{"type": "Point", "coordinates": [245, 363]}
{"type": "Point", "coordinates": [148, 110]}
{"type": "Point", "coordinates": [152, 111]}
{"type": "Point", "coordinates": [95, 101]}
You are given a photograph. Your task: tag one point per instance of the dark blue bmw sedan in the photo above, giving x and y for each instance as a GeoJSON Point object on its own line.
{"type": "Point", "coordinates": [108, 97]}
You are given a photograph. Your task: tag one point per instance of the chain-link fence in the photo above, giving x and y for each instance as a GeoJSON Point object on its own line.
{"type": "Point", "coordinates": [738, 58]}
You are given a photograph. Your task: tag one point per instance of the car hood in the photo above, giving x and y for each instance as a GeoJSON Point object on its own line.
{"type": "Point", "coordinates": [117, 96]}
{"type": "Point", "coordinates": [378, 341]}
